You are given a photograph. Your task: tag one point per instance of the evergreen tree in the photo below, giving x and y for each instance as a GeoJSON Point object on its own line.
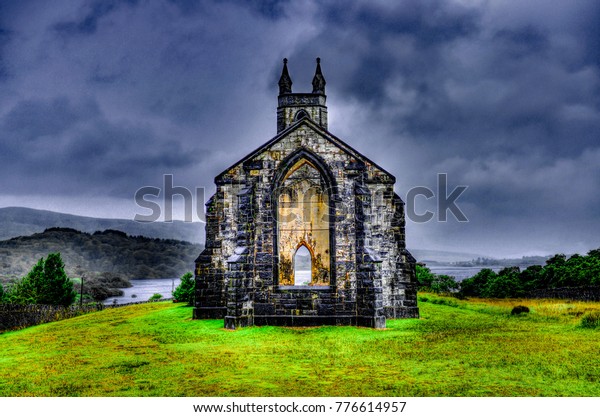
{"type": "Point", "coordinates": [185, 291]}
{"type": "Point", "coordinates": [27, 289]}
{"type": "Point", "coordinates": [46, 283]}
{"type": "Point", "coordinates": [57, 287]}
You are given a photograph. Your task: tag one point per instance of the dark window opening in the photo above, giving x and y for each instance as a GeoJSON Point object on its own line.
{"type": "Point", "coordinates": [301, 115]}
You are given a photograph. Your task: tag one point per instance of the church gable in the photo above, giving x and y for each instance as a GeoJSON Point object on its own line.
{"type": "Point", "coordinates": [304, 134]}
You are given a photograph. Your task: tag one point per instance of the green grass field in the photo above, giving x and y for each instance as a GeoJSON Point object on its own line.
{"type": "Point", "coordinates": [457, 348]}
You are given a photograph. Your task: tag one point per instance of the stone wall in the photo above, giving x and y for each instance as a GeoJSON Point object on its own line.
{"type": "Point", "coordinates": [19, 316]}
{"type": "Point", "coordinates": [589, 293]}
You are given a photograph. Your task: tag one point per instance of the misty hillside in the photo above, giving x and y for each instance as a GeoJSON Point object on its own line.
{"type": "Point", "coordinates": [21, 221]}
{"type": "Point", "coordinates": [107, 251]}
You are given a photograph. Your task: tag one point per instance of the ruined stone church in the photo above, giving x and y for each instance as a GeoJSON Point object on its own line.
{"type": "Point", "coordinates": [305, 230]}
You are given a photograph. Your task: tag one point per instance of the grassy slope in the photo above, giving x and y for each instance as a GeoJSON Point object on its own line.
{"type": "Point", "coordinates": [473, 349]}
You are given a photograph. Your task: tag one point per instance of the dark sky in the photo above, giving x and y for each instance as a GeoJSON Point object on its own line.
{"type": "Point", "coordinates": [100, 98]}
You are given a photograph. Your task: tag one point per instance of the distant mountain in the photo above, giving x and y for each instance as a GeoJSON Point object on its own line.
{"type": "Point", "coordinates": [442, 257]}
{"type": "Point", "coordinates": [108, 251]}
{"type": "Point", "coordinates": [469, 260]}
{"type": "Point", "coordinates": [21, 221]}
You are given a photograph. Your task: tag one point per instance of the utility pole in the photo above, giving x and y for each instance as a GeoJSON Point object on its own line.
{"type": "Point", "coordinates": [81, 292]}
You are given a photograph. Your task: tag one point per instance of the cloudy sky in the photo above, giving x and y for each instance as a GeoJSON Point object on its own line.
{"type": "Point", "coordinates": [100, 98]}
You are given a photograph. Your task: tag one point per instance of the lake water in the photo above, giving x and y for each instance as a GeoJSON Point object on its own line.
{"type": "Point", "coordinates": [143, 289]}
{"type": "Point", "coordinates": [302, 277]}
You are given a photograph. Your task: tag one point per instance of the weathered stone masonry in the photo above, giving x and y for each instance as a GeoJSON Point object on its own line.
{"type": "Point", "coordinates": [305, 188]}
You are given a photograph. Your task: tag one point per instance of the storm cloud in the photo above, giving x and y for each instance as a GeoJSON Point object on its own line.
{"type": "Point", "coordinates": [100, 98]}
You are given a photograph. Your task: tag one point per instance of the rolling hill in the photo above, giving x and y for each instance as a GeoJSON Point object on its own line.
{"type": "Point", "coordinates": [22, 221]}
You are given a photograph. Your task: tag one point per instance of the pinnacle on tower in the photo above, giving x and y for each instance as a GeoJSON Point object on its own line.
{"type": "Point", "coordinates": [285, 82]}
{"type": "Point", "coordinates": [318, 81]}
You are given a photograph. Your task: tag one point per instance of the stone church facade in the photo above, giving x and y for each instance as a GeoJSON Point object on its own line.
{"type": "Point", "coordinates": [307, 191]}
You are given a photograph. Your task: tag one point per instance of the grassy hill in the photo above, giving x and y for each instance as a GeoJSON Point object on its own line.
{"type": "Point", "coordinates": [457, 348]}
{"type": "Point", "coordinates": [21, 221]}
{"type": "Point", "coordinates": [107, 251]}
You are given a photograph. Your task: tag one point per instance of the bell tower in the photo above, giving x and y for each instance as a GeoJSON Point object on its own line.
{"type": "Point", "coordinates": [292, 107]}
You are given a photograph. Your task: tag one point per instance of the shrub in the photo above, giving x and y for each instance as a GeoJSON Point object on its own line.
{"type": "Point", "coordinates": [155, 297]}
{"type": "Point", "coordinates": [444, 284]}
{"type": "Point", "coordinates": [460, 295]}
{"type": "Point", "coordinates": [519, 309]}
{"type": "Point", "coordinates": [591, 320]}
{"type": "Point", "coordinates": [444, 302]}
{"type": "Point", "coordinates": [424, 277]}
{"type": "Point", "coordinates": [428, 281]}
{"type": "Point", "coordinates": [438, 300]}
{"type": "Point", "coordinates": [185, 291]}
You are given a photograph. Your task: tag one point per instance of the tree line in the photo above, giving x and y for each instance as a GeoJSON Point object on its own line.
{"type": "Point", "coordinates": [512, 282]}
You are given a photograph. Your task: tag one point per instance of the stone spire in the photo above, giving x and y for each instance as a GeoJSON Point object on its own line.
{"type": "Point", "coordinates": [285, 82]}
{"type": "Point", "coordinates": [318, 81]}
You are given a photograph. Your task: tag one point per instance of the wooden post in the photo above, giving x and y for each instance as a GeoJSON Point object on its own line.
{"type": "Point", "coordinates": [81, 292]}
